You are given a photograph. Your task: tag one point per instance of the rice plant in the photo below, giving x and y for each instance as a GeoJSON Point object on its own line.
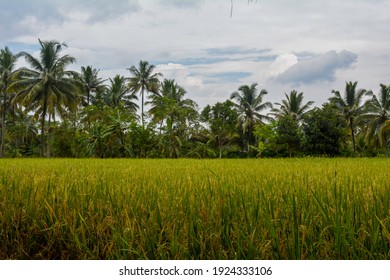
{"type": "Point", "coordinates": [194, 209]}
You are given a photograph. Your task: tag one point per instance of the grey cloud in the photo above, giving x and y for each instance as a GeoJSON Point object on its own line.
{"type": "Point", "coordinates": [101, 10]}
{"type": "Point", "coordinates": [235, 50]}
{"type": "Point", "coordinates": [320, 68]}
{"type": "Point", "coordinates": [48, 12]}
{"type": "Point", "coordinates": [181, 3]}
{"type": "Point", "coordinates": [227, 77]}
{"type": "Point", "coordinates": [14, 13]}
{"type": "Point", "coordinates": [16, 10]}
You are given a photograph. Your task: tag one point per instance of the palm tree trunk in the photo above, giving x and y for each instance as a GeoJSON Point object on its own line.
{"type": "Point", "coordinates": [123, 144]}
{"type": "Point", "coordinates": [74, 116]}
{"type": "Point", "coordinates": [160, 129]}
{"type": "Point", "coordinates": [220, 148]}
{"type": "Point", "coordinates": [249, 139]}
{"type": "Point", "coordinates": [142, 107]}
{"type": "Point", "coordinates": [48, 137]}
{"type": "Point", "coordinates": [88, 94]}
{"type": "Point", "coordinates": [352, 136]}
{"type": "Point", "coordinates": [3, 124]}
{"type": "Point", "coordinates": [43, 136]}
{"type": "Point", "coordinates": [43, 128]}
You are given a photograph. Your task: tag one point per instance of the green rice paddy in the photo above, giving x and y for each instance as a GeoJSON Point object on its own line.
{"type": "Point", "coordinates": [195, 209]}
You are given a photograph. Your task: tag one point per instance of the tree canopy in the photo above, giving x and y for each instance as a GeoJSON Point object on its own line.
{"type": "Point", "coordinates": [48, 110]}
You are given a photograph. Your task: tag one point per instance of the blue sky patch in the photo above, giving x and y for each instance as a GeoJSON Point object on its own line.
{"type": "Point", "coordinates": [227, 77]}
{"type": "Point", "coordinates": [16, 47]}
{"type": "Point", "coordinates": [234, 51]}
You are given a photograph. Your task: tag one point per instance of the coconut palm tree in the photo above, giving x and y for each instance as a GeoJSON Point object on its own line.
{"type": "Point", "coordinates": [250, 105]}
{"type": "Point", "coordinates": [7, 64]}
{"type": "Point", "coordinates": [22, 128]}
{"type": "Point", "coordinates": [384, 138]}
{"type": "Point", "coordinates": [119, 123]}
{"type": "Point", "coordinates": [119, 94]}
{"type": "Point", "coordinates": [379, 114]}
{"type": "Point", "coordinates": [143, 80]}
{"type": "Point", "coordinates": [170, 107]}
{"type": "Point", "coordinates": [292, 106]}
{"type": "Point", "coordinates": [350, 106]}
{"type": "Point", "coordinates": [170, 103]}
{"type": "Point", "coordinates": [91, 83]}
{"type": "Point", "coordinates": [47, 86]}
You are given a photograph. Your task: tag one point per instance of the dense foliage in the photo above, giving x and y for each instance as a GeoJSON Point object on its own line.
{"type": "Point", "coordinates": [49, 111]}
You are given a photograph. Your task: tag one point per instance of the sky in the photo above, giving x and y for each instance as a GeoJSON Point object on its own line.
{"type": "Point", "coordinates": [312, 46]}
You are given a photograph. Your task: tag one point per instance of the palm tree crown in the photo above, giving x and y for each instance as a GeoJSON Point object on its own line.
{"type": "Point", "coordinates": [170, 103]}
{"type": "Point", "coordinates": [250, 103]}
{"type": "Point", "coordinates": [379, 114]}
{"type": "Point", "coordinates": [7, 64]}
{"type": "Point", "coordinates": [47, 86]}
{"type": "Point", "coordinates": [143, 79]}
{"type": "Point", "coordinates": [91, 83]}
{"type": "Point", "coordinates": [292, 106]}
{"type": "Point", "coordinates": [118, 94]}
{"type": "Point", "coordinates": [350, 106]}
{"type": "Point", "coordinates": [169, 107]}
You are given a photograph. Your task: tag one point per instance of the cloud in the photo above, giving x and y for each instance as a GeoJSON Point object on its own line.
{"type": "Point", "coordinates": [320, 68]}
{"type": "Point", "coordinates": [212, 56]}
{"type": "Point", "coordinates": [229, 51]}
{"type": "Point", "coordinates": [227, 77]}
{"type": "Point", "coordinates": [26, 17]}
{"type": "Point", "coordinates": [282, 63]}
{"type": "Point", "coordinates": [278, 42]}
{"type": "Point", "coordinates": [181, 74]}
{"type": "Point", "coordinates": [21, 17]}
{"type": "Point", "coordinates": [196, 60]}
{"type": "Point", "coordinates": [181, 3]}
{"type": "Point", "coordinates": [101, 10]}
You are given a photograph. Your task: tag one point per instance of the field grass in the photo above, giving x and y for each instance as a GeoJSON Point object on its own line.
{"type": "Point", "coordinates": [195, 209]}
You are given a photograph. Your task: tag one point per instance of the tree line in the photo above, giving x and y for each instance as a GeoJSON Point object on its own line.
{"type": "Point", "coordinates": [50, 111]}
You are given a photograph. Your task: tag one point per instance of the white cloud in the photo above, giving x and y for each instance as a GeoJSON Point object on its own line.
{"type": "Point", "coordinates": [181, 3]}
{"type": "Point", "coordinates": [320, 68]}
{"type": "Point", "coordinates": [194, 82]}
{"type": "Point", "coordinates": [282, 63]}
{"type": "Point", "coordinates": [181, 74]}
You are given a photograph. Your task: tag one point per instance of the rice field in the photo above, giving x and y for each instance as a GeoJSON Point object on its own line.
{"type": "Point", "coordinates": [195, 209]}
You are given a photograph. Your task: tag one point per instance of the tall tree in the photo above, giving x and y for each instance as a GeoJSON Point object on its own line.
{"type": "Point", "coordinates": [250, 105]}
{"type": "Point", "coordinates": [222, 120]}
{"type": "Point", "coordinates": [119, 95]}
{"type": "Point", "coordinates": [350, 106]}
{"type": "Point", "coordinates": [91, 83]}
{"type": "Point", "coordinates": [46, 84]}
{"type": "Point", "coordinates": [384, 135]}
{"type": "Point", "coordinates": [170, 103]}
{"type": "Point", "coordinates": [289, 134]}
{"type": "Point", "coordinates": [22, 131]}
{"type": "Point", "coordinates": [119, 122]}
{"type": "Point", "coordinates": [143, 80]}
{"type": "Point", "coordinates": [172, 108]}
{"type": "Point", "coordinates": [7, 64]}
{"type": "Point", "coordinates": [379, 114]}
{"type": "Point", "coordinates": [292, 106]}
{"type": "Point", "coordinates": [324, 131]}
